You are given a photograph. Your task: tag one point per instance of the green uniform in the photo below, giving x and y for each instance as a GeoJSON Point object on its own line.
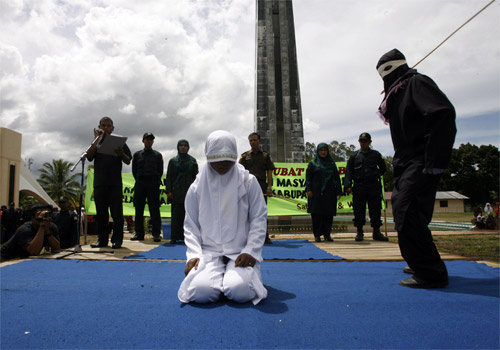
{"type": "Point", "coordinates": [258, 164]}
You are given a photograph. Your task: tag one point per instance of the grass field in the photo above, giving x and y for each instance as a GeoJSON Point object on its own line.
{"type": "Point", "coordinates": [484, 246]}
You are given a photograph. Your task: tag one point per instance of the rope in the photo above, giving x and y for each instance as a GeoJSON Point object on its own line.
{"type": "Point", "coordinates": [449, 36]}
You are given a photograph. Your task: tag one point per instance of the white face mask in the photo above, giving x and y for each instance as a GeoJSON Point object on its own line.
{"type": "Point", "coordinates": [389, 67]}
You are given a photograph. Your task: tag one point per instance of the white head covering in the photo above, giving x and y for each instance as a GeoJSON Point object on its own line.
{"type": "Point", "coordinates": [220, 146]}
{"type": "Point", "coordinates": [219, 195]}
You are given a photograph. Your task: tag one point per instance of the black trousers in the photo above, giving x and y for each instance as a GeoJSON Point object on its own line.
{"type": "Point", "coordinates": [413, 200]}
{"type": "Point", "coordinates": [150, 191]}
{"type": "Point", "coordinates": [109, 199]}
{"type": "Point", "coordinates": [178, 214]}
{"type": "Point", "coordinates": [322, 224]}
{"type": "Point", "coordinates": [370, 193]}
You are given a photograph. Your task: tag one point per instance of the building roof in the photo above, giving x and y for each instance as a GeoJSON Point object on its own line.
{"type": "Point", "coordinates": [440, 195]}
{"type": "Point", "coordinates": [28, 184]}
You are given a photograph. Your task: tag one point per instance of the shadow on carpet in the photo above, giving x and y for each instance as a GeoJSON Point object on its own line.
{"type": "Point", "coordinates": [71, 304]}
{"type": "Point", "coordinates": [283, 250]}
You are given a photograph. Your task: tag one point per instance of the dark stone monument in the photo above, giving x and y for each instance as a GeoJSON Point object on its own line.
{"type": "Point", "coordinates": [278, 113]}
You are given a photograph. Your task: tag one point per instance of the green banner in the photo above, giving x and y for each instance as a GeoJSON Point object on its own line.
{"type": "Point", "coordinates": [289, 195]}
{"type": "Point", "coordinates": [128, 196]}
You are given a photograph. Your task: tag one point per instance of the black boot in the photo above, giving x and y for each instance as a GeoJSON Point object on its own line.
{"type": "Point", "coordinates": [359, 234]}
{"type": "Point", "coordinates": [378, 236]}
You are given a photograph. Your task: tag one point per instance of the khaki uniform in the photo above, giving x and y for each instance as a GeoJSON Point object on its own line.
{"type": "Point", "coordinates": [258, 164]}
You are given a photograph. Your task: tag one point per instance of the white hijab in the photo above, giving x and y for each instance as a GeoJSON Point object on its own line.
{"type": "Point", "coordinates": [219, 195]}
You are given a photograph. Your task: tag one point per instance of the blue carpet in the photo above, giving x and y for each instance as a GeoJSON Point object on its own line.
{"type": "Point", "coordinates": [286, 249]}
{"type": "Point", "coordinates": [70, 304]}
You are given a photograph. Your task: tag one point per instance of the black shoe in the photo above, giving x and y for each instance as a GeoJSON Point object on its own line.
{"type": "Point", "coordinates": [415, 282]}
{"type": "Point", "coordinates": [98, 244]}
{"type": "Point", "coordinates": [328, 238]}
{"type": "Point", "coordinates": [157, 239]}
{"type": "Point", "coordinates": [408, 270]}
{"type": "Point", "coordinates": [268, 241]}
{"type": "Point", "coordinates": [317, 239]}
{"type": "Point", "coordinates": [137, 237]}
{"type": "Point", "coordinates": [380, 237]}
{"type": "Point", "coordinates": [359, 236]}
{"type": "Point", "coordinates": [116, 246]}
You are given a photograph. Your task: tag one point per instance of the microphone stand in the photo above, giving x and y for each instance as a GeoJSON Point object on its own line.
{"type": "Point", "coordinates": [78, 247]}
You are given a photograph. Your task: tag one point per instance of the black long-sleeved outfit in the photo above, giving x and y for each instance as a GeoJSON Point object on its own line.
{"type": "Point", "coordinates": [422, 123]}
{"type": "Point", "coordinates": [147, 168]}
{"type": "Point", "coordinates": [365, 170]}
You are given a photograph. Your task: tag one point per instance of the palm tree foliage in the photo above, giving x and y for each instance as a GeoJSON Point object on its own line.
{"type": "Point", "coordinates": [57, 180]}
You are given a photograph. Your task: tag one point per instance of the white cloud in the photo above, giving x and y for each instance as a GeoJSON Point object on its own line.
{"type": "Point", "coordinates": [128, 109]}
{"type": "Point", "coordinates": [182, 69]}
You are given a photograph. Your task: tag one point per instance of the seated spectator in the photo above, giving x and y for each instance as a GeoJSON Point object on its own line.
{"type": "Point", "coordinates": [478, 220]}
{"type": "Point", "coordinates": [488, 209]}
{"type": "Point", "coordinates": [489, 222]}
{"type": "Point", "coordinates": [32, 236]}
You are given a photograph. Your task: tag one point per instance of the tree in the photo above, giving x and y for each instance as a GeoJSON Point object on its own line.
{"type": "Point", "coordinates": [340, 151]}
{"type": "Point", "coordinates": [474, 172]}
{"type": "Point", "coordinates": [310, 151]}
{"type": "Point", "coordinates": [57, 181]}
{"type": "Point", "coordinates": [389, 175]}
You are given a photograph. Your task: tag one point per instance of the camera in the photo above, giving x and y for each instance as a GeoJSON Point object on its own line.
{"type": "Point", "coordinates": [47, 214]}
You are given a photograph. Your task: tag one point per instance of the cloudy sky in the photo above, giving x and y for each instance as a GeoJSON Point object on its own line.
{"type": "Point", "coordinates": [183, 68]}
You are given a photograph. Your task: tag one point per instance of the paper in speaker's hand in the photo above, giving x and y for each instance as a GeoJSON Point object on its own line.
{"type": "Point", "coordinates": [110, 143]}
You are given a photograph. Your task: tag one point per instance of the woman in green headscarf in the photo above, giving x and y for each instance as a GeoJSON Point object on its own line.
{"type": "Point", "coordinates": [323, 189]}
{"type": "Point", "coordinates": [181, 173]}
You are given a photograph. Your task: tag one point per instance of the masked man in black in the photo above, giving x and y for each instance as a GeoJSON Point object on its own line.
{"type": "Point", "coordinates": [422, 123]}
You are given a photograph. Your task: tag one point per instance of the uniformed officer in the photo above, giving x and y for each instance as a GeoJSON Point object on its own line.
{"type": "Point", "coordinates": [67, 222]}
{"type": "Point", "coordinates": [147, 168]}
{"type": "Point", "coordinates": [365, 167]}
{"type": "Point", "coordinates": [259, 164]}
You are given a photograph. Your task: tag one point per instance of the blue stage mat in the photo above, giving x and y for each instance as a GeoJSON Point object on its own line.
{"type": "Point", "coordinates": [286, 249]}
{"type": "Point", "coordinates": [71, 304]}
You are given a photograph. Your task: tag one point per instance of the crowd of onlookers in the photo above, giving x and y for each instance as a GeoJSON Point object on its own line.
{"type": "Point", "coordinates": [11, 217]}
{"type": "Point", "coordinates": [28, 231]}
{"type": "Point", "coordinates": [487, 217]}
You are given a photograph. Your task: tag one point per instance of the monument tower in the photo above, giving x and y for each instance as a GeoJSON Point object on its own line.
{"type": "Point", "coordinates": [278, 113]}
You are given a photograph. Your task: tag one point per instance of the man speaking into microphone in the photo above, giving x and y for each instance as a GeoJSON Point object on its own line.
{"type": "Point", "coordinates": [108, 185]}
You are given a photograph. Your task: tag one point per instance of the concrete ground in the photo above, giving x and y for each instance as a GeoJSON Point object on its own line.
{"type": "Point", "coordinates": [343, 246]}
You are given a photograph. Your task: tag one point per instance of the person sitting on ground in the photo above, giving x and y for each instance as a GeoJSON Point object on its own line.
{"type": "Point", "coordinates": [488, 209]}
{"type": "Point", "coordinates": [224, 229]}
{"type": "Point", "coordinates": [477, 221]}
{"type": "Point", "coordinates": [489, 222]}
{"type": "Point", "coordinates": [32, 236]}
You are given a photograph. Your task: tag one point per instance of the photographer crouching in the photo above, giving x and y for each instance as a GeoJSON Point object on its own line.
{"type": "Point", "coordinates": [32, 236]}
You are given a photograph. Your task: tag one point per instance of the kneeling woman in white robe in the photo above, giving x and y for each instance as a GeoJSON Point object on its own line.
{"type": "Point", "coordinates": [224, 228]}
